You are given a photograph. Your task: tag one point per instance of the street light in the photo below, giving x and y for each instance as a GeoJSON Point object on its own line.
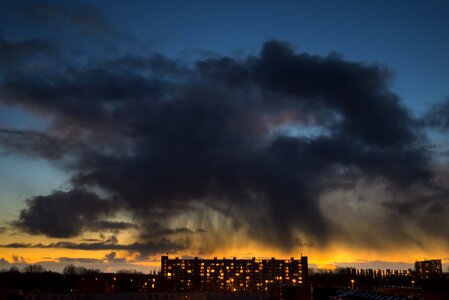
{"type": "Point", "coordinates": [413, 284]}
{"type": "Point", "coordinates": [352, 283]}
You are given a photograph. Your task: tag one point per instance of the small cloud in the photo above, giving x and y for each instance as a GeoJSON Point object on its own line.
{"type": "Point", "coordinates": [112, 258]}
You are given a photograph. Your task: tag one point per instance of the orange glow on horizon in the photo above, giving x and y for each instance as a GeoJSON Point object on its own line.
{"type": "Point", "coordinates": [324, 258]}
{"type": "Point", "coordinates": [327, 260]}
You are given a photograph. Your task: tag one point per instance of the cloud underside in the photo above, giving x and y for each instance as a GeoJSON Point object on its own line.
{"type": "Point", "coordinates": [145, 249]}
{"type": "Point", "coordinates": [285, 148]}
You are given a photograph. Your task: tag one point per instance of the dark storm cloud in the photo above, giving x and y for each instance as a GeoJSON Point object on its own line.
{"type": "Point", "coordinates": [230, 134]}
{"type": "Point", "coordinates": [67, 214]}
{"type": "Point", "coordinates": [429, 206]}
{"type": "Point", "coordinates": [38, 144]}
{"type": "Point", "coordinates": [154, 229]}
{"type": "Point", "coordinates": [14, 54]}
{"type": "Point", "coordinates": [100, 97]}
{"type": "Point", "coordinates": [112, 226]}
{"type": "Point", "coordinates": [158, 230]}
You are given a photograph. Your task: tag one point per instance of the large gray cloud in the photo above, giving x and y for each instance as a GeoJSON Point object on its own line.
{"type": "Point", "coordinates": [264, 136]}
{"type": "Point", "coordinates": [67, 214]}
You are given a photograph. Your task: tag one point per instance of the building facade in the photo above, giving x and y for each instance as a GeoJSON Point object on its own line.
{"type": "Point", "coordinates": [428, 268]}
{"type": "Point", "coordinates": [249, 275]}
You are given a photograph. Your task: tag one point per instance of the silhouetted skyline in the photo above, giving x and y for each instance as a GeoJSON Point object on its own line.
{"type": "Point", "coordinates": [128, 131]}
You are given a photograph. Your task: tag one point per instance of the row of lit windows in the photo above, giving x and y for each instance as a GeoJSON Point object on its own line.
{"type": "Point", "coordinates": [261, 267]}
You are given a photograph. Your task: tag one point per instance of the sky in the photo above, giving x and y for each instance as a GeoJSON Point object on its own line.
{"type": "Point", "coordinates": [223, 128]}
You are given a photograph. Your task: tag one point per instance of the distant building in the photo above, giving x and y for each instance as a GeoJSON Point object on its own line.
{"type": "Point", "coordinates": [428, 268]}
{"type": "Point", "coordinates": [238, 275]}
